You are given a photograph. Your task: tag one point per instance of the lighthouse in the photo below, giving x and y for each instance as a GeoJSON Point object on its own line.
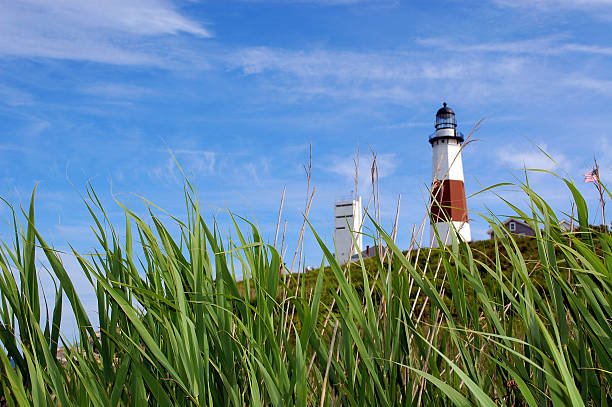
{"type": "Point", "coordinates": [448, 204]}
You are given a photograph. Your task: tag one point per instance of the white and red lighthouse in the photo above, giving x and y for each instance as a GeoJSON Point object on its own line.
{"type": "Point", "coordinates": [448, 204]}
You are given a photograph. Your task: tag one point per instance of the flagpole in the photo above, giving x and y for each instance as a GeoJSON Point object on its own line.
{"type": "Point", "coordinates": [601, 196]}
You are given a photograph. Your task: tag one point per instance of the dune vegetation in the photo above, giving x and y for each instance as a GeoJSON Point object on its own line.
{"type": "Point", "coordinates": [520, 322]}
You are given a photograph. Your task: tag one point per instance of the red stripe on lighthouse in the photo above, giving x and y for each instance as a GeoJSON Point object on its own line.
{"type": "Point", "coordinates": [448, 201]}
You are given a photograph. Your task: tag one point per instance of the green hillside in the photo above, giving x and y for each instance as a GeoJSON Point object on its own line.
{"type": "Point", "coordinates": [483, 251]}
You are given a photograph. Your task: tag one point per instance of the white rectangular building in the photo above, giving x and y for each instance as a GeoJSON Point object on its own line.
{"type": "Point", "coordinates": [347, 218]}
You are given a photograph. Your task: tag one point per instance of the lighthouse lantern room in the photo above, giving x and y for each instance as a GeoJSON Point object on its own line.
{"type": "Point", "coordinates": [448, 204]}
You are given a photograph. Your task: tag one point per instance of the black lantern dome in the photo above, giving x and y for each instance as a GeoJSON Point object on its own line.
{"type": "Point", "coordinates": [445, 118]}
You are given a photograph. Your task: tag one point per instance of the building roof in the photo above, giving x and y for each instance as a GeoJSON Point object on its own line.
{"type": "Point", "coordinates": [507, 221]}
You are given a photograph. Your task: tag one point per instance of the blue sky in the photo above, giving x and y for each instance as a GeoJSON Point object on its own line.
{"type": "Point", "coordinates": [101, 91]}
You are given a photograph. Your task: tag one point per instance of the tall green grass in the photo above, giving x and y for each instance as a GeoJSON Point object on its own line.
{"type": "Point", "coordinates": [175, 328]}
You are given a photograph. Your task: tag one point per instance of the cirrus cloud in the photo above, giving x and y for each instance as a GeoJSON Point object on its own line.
{"type": "Point", "coordinates": [112, 31]}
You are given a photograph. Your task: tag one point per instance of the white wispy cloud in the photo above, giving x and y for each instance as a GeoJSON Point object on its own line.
{"type": "Point", "coordinates": [387, 164]}
{"type": "Point", "coordinates": [347, 65]}
{"type": "Point", "coordinates": [199, 162]}
{"type": "Point", "coordinates": [532, 158]}
{"type": "Point", "coordinates": [14, 97]}
{"type": "Point", "coordinates": [404, 125]}
{"type": "Point", "coordinates": [534, 45]}
{"type": "Point", "coordinates": [554, 5]}
{"type": "Point", "coordinates": [117, 90]}
{"type": "Point", "coordinates": [552, 45]}
{"type": "Point", "coordinates": [589, 49]}
{"type": "Point", "coordinates": [114, 31]}
{"type": "Point", "coordinates": [603, 86]}
{"type": "Point", "coordinates": [393, 76]}
{"type": "Point", "coordinates": [194, 163]}
{"type": "Point", "coordinates": [598, 9]}
{"type": "Point", "coordinates": [473, 72]}
{"type": "Point", "coordinates": [320, 63]}
{"type": "Point", "coordinates": [330, 2]}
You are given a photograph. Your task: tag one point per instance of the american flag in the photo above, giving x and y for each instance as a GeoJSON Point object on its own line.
{"type": "Point", "coordinates": [591, 176]}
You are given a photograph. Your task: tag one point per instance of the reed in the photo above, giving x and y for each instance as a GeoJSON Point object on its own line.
{"type": "Point", "coordinates": [174, 327]}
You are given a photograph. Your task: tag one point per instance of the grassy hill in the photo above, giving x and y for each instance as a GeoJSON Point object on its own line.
{"type": "Point", "coordinates": [428, 259]}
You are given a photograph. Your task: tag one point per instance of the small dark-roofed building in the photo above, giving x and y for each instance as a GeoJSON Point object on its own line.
{"type": "Point", "coordinates": [369, 251]}
{"type": "Point", "coordinates": [516, 227]}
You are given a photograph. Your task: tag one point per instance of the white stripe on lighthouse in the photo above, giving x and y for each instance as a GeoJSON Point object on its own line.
{"type": "Point", "coordinates": [447, 162]}
{"type": "Point", "coordinates": [463, 229]}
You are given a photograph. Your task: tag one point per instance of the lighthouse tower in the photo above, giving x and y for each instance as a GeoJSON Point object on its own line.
{"type": "Point", "coordinates": [448, 203]}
